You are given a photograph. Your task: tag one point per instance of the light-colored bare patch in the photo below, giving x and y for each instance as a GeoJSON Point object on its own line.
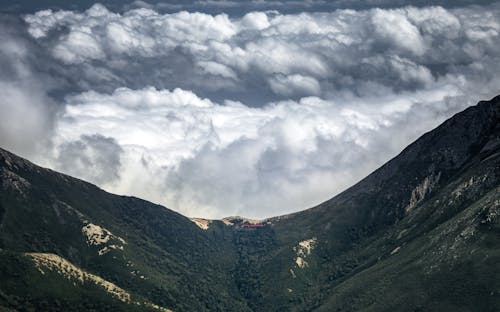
{"type": "Point", "coordinates": [73, 273]}
{"type": "Point", "coordinates": [202, 223]}
{"type": "Point", "coordinates": [301, 263]}
{"type": "Point", "coordinates": [303, 250]}
{"type": "Point", "coordinates": [107, 249]}
{"type": "Point", "coordinates": [422, 190]}
{"type": "Point", "coordinates": [396, 250]}
{"type": "Point", "coordinates": [462, 188]}
{"type": "Point", "coordinates": [60, 265]}
{"type": "Point", "coordinates": [97, 236]}
{"type": "Point", "coordinates": [156, 307]}
{"type": "Point", "coordinates": [402, 233]}
{"type": "Point", "coordinates": [307, 245]}
{"type": "Point", "coordinates": [293, 273]}
{"type": "Point", "coordinates": [239, 220]}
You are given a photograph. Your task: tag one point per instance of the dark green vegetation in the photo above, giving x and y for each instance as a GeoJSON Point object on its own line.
{"type": "Point", "coordinates": [422, 233]}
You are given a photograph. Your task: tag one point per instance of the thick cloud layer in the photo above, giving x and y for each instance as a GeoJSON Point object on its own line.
{"type": "Point", "coordinates": [256, 115]}
{"type": "Point", "coordinates": [265, 57]}
{"type": "Point", "coordinates": [233, 7]}
{"type": "Point", "coordinates": [215, 159]}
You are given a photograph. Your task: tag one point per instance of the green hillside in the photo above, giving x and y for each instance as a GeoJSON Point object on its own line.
{"type": "Point", "coordinates": [421, 233]}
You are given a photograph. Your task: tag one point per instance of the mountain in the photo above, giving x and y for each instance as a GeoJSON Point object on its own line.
{"type": "Point", "coordinates": [56, 230]}
{"type": "Point", "coordinates": [421, 233]}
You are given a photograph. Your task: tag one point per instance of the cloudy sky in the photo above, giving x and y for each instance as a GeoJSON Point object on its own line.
{"type": "Point", "coordinates": [253, 108]}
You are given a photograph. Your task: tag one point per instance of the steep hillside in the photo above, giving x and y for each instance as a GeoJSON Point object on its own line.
{"type": "Point", "coordinates": [421, 233]}
{"type": "Point", "coordinates": [148, 250]}
{"type": "Point", "coordinates": [445, 182]}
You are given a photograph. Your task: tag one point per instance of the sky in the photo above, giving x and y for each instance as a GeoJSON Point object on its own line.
{"type": "Point", "coordinates": [219, 108]}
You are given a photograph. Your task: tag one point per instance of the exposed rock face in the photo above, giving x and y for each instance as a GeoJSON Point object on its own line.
{"type": "Point", "coordinates": [418, 234]}
{"type": "Point", "coordinates": [202, 223]}
{"type": "Point", "coordinates": [436, 189]}
{"type": "Point", "coordinates": [45, 261]}
{"type": "Point", "coordinates": [303, 250]}
{"type": "Point", "coordinates": [98, 236]}
{"type": "Point", "coordinates": [422, 190]}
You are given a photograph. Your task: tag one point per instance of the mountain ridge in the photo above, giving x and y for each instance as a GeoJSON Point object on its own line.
{"type": "Point", "coordinates": [430, 210]}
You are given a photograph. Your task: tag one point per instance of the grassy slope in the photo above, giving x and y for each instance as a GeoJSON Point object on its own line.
{"type": "Point", "coordinates": [24, 288]}
{"type": "Point", "coordinates": [352, 228]}
{"type": "Point", "coordinates": [184, 267]}
{"type": "Point", "coordinates": [454, 267]}
{"type": "Point", "coordinates": [171, 262]}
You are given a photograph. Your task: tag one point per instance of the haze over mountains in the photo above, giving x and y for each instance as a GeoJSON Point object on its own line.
{"type": "Point", "coordinates": [421, 233]}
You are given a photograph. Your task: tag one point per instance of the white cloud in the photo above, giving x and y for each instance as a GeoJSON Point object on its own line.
{"type": "Point", "coordinates": [255, 20]}
{"type": "Point", "coordinates": [214, 68]}
{"type": "Point", "coordinates": [77, 47]}
{"type": "Point", "coordinates": [394, 28]}
{"type": "Point", "coordinates": [398, 49]}
{"type": "Point", "coordinates": [255, 115]}
{"type": "Point", "coordinates": [92, 157]}
{"type": "Point", "coordinates": [410, 72]}
{"type": "Point", "coordinates": [294, 84]}
{"type": "Point", "coordinates": [204, 158]}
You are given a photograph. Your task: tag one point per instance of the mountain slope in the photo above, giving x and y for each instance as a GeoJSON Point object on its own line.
{"type": "Point", "coordinates": [421, 233]}
{"type": "Point", "coordinates": [444, 173]}
{"type": "Point", "coordinates": [151, 251]}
